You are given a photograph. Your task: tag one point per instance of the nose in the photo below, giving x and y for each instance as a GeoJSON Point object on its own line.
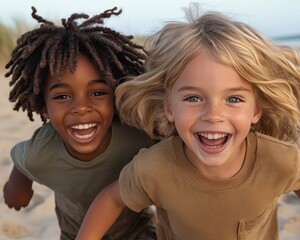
{"type": "Point", "coordinates": [213, 112]}
{"type": "Point", "coordinates": [81, 105]}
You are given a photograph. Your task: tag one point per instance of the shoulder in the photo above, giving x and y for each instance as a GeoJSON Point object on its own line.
{"type": "Point", "coordinates": [161, 155]}
{"type": "Point", "coordinates": [274, 146]}
{"type": "Point", "coordinates": [35, 151]}
{"type": "Point", "coordinates": [282, 154]}
{"type": "Point", "coordinates": [152, 170]}
{"type": "Point", "coordinates": [44, 132]}
{"type": "Point", "coordinates": [42, 139]}
{"type": "Point", "coordinates": [122, 128]}
{"type": "Point", "coordinates": [130, 136]}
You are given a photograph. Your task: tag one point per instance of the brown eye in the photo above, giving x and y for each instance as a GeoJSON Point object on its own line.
{"type": "Point", "coordinates": [62, 97]}
{"type": "Point", "coordinates": [98, 93]}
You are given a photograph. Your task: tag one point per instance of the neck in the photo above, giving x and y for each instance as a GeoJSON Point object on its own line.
{"type": "Point", "coordinates": [225, 171]}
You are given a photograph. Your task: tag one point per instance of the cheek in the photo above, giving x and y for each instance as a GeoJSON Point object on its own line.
{"type": "Point", "coordinates": [53, 108]}
{"type": "Point", "coordinates": [242, 121]}
{"type": "Point", "coordinates": [184, 119]}
{"type": "Point", "coordinates": [110, 112]}
{"type": "Point", "coordinates": [107, 108]}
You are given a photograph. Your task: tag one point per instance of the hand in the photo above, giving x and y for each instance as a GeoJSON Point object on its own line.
{"type": "Point", "coordinates": [17, 191]}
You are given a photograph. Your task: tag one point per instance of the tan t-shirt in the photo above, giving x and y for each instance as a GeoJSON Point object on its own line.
{"type": "Point", "coordinates": [191, 206]}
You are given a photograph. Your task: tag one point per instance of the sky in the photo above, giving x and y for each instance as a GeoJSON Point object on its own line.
{"type": "Point", "coordinates": [274, 18]}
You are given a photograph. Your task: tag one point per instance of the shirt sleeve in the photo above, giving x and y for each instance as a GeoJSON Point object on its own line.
{"type": "Point", "coordinates": [294, 183]}
{"type": "Point", "coordinates": [297, 175]}
{"type": "Point", "coordinates": [19, 156]}
{"type": "Point", "coordinates": [131, 189]}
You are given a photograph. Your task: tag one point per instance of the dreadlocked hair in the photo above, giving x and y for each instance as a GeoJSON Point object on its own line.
{"type": "Point", "coordinates": [50, 49]}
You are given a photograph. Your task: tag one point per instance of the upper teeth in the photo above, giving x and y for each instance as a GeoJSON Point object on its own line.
{"type": "Point", "coordinates": [84, 126]}
{"type": "Point", "coordinates": [213, 135]}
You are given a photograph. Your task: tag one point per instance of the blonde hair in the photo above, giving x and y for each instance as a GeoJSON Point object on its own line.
{"type": "Point", "coordinates": [272, 69]}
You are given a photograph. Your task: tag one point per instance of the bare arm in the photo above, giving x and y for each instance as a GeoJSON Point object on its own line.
{"type": "Point", "coordinates": [17, 191]}
{"type": "Point", "coordinates": [102, 213]}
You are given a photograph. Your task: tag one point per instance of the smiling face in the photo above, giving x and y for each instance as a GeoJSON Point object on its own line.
{"type": "Point", "coordinates": [80, 106]}
{"type": "Point", "coordinates": [212, 108]}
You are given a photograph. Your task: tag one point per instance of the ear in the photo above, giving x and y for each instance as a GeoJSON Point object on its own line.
{"type": "Point", "coordinates": [257, 114]}
{"type": "Point", "coordinates": [168, 111]}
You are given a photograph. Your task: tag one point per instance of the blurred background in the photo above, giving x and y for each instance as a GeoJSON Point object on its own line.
{"type": "Point", "coordinates": [278, 19]}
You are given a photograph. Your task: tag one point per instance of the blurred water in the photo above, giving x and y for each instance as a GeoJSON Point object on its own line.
{"type": "Point", "coordinates": [293, 41]}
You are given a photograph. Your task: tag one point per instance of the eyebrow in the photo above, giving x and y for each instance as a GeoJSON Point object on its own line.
{"type": "Point", "coordinates": [235, 89]}
{"type": "Point", "coordinates": [59, 85]}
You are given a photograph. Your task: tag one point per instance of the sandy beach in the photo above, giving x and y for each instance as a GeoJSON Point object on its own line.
{"type": "Point", "coordinates": [38, 220]}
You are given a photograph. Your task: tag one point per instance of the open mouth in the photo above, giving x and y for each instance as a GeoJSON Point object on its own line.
{"type": "Point", "coordinates": [84, 131]}
{"type": "Point", "coordinates": [213, 140]}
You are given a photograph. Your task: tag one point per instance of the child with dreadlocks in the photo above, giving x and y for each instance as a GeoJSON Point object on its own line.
{"type": "Point", "coordinates": [226, 100]}
{"type": "Point", "coordinates": [67, 74]}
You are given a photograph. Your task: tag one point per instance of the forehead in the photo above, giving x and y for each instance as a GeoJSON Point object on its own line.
{"type": "Point", "coordinates": [85, 76]}
{"type": "Point", "coordinates": [204, 70]}
{"type": "Point", "coordinates": [84, 67]}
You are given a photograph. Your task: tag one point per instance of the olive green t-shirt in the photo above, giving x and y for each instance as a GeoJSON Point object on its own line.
{"type": "Point", "coordinates": [191, 206]}
{"type": "Point", "coordinates": [44, 159]}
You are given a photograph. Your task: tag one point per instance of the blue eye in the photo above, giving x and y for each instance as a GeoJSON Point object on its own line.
{"type": "Point", "coordinates": [234, 100]}
{"type": "Point", "coordinates": [193, 99]}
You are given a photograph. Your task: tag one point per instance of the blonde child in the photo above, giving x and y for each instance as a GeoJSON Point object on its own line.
{"type": "Point", "coordinates": [67, 74]}
{"type": "Point", "coordinates": [225, 101]}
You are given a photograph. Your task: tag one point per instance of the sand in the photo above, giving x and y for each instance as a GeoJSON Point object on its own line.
{"type": "Point", "coordinates": [38, 220]}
